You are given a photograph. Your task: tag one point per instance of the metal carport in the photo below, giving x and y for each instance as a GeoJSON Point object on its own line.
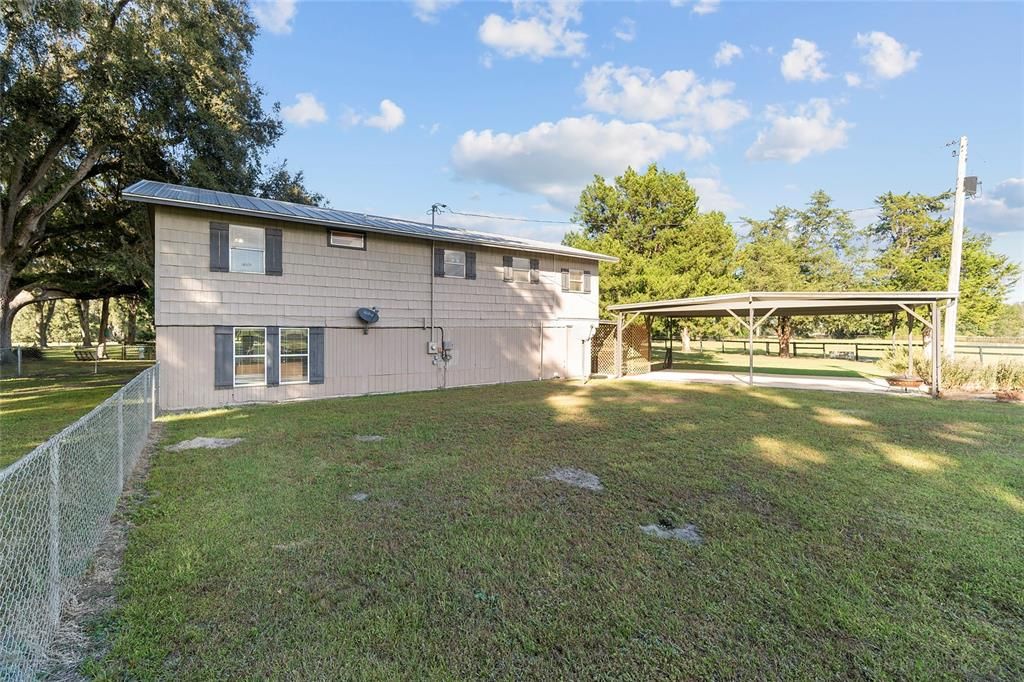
{"type": "Point", "coordinates": [752, 308]}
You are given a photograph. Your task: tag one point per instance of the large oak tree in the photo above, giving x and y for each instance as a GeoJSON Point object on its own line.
{"type": "Point", "coordinates": [95, 94]}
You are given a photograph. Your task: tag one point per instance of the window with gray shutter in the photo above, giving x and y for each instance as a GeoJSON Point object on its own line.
{"type": "Point", "coordinates": [316, 355]}
{"type": "Point", "coordinates": [273, 358]}
{"type": "Point", "coordinates": [471, 265]}
{"type": "Point", "coordinates": [223, 357]}
{"type": "Point", "coordinates": [565, 279]}
{"type": "Point", "coordinates": [274, 246]}
{"type": "Point", "coordinates": [535, 271]}
{"type": "Point", "coordinates": [218, 247]}
{"type": "Point", "coordinates": [586, 281]}
{"type": "Point", "coordinates": [506, 263]}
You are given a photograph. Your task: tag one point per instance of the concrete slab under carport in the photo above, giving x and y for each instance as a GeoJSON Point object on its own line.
{"type": "Point", "coordinates": [803, 381]}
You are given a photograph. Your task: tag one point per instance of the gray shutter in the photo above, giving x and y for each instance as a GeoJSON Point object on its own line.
{"type": "Point", "coordinates": [219, 247]}
{"type": "Point", "coordinates": [535, 271]}
{"type": "Point", "coordinates": [506, 262]}
{"type": "Point", "coordinates": [586, 281]}
{"type": "Point", "coordinates": [471, 265]}
{"type": "Point", "coordinates": [273, 345]}
{"type": "Point", "coordinates": [438, 262]}
{"type": "Point", "coordinates": [565, 279]}
{"type": "Point", "coordinates": [273, 246]}
{"type": "Point", "coordinates": [316, 355]}
{"type": "Point", "coordinates": [223, 357]}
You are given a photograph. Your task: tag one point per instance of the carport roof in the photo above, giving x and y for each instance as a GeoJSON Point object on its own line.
{"type": "Point", "coordinates": [795, 303]}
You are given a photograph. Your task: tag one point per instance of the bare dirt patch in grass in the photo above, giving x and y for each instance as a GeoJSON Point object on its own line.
{"type": "Point", "coordinates": [687, 533]}
{"type": "Point", "coordinates": [578, 478]}
{"type": "Point", "coordinates": [202, 442]}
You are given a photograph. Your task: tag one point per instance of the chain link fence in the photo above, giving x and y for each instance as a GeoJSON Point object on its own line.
{"type": "Point", "coordinates": [636, 350]}
{"type": "Point", "coordinates": [55, 504]}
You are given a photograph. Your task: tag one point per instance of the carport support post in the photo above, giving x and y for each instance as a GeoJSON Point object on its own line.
{"type": "Point", "coordinates": [936, 350]}
{"type": "Point", "coordinates": [618, 346]}
{"type": "Point", "coordinates": [750, 335]}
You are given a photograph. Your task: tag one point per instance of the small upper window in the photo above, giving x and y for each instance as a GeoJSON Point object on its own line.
{"type": "Point", "coordinates": [347, 240]}
{"type": "Point", "coordinates": [454, 263]}
{"type": "Point", "coordinates": [576, 280]}
{"type": "Point", "coordinates": [520, 269]}
{"type": "Point", "coordinates": [248, 249]}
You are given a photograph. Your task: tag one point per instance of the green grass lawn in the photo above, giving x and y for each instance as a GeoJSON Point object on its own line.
{"type": "Point", "coordinates": [844, 535]}
{"type": "Point", "coordinates": [53, 393]}
{"type": "Point", "coordinates": [771, 364]}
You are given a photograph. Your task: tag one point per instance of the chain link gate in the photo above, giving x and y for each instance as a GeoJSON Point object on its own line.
{"type": "Point", "coordinates": [55, 503]}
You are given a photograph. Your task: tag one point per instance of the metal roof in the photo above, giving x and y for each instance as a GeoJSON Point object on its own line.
{"type": "Point", "coordinates": [165, 194]}
{"type": "Point", "coordinates": [796, 303]}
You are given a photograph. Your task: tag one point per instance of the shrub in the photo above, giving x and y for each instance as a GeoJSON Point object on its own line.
{"type": "Point", "coordinates": [960, 373]}
{"type": "Point", "coordinates": [1010, 375]}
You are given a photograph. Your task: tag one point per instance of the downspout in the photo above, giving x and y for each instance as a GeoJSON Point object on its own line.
{"type": "Point", "coordinates": [433, 247]}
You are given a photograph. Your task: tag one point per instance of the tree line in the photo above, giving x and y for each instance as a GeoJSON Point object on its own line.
{"type": "Point", "coordinates": [668, 248]}
{"type": "Point", "coordinates": [96, 94]}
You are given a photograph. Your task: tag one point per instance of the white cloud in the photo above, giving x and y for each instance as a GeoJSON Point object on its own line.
{"type": "Point", "coordinates": [636, 93]}
{"type": "Point", "coordinates": [306, 110]}
{"type": "Point", "coordinates": [804, 62]}
{"type": "Point", "coordinates": [727, 54]}
{"type": "Point", "coordinates": [555, 160]}
{"type": "Point", "coordinates": [699, 6]}
{"type": "Point", "coordinates": [714, 196]}
{"type": "Point", "coordinates": [390, 117]}
{"type": "Point", "coordinates": [427, 10]}
{"type": "Point", "coordinates": [275, 15]}
{"type": "Point", "coordinates": [810, 130]}
{"type": "Point", "coordinates": [705, 7]}
{"type": "Point", "coordinates": [887, 57]}
{"type": "Point", "coordinates": [625, 30]}
{"type": "Point", "coordinates": [538, 30]}
{"type": "Point", "coordinates": [853, 80]}
{"type": "Point", "coordinates": [1001, 210]}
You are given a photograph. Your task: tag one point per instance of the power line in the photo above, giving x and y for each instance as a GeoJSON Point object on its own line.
{"type": "Point", "coordinates": [441, 208]}
{"type": "Point", "coordinates": [510, 218]}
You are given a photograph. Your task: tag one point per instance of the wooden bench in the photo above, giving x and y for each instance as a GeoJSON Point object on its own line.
{"type": "Point", "coordinates": [85, 355]}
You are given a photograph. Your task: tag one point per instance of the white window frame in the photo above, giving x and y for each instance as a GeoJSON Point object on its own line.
{"type": "Point", "coordinates": [263, 252]}
{"type": "Point", "coordinates": [582, 281]}
{"type": "Point", "coordinates": [517, 272]}
{"type": "Point", "coordinates": [446, 264]}
{"type": "Point", "coordinates": [235, 356]}
{"type": "Point", "coordinates": [281, 354]}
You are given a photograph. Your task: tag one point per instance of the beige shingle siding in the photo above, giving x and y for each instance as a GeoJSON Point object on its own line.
{"type": "Point", "coordinates": [503, 331]}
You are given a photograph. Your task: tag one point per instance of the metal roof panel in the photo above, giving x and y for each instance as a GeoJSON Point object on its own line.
{"type": "Point", "coordinates": [153, 192]}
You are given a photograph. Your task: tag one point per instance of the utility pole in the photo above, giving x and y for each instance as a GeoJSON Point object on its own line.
{"type": "Point", "coordinates": [949, 335]}
{"type": "Point", "coordinates": [434, 210]}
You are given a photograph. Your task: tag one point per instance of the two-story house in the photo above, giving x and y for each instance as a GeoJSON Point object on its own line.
{"type": "Point", "coordinates": [260, 300]}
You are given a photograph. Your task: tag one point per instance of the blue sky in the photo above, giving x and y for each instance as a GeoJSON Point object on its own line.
{"type": "Point", "coordinates": [509, 108]}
